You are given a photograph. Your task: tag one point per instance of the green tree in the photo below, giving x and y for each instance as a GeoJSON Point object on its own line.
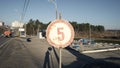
{"type": "Point", "coordinates": [30, 27]}
{"type": "Point", "coordinates": [34, 26]}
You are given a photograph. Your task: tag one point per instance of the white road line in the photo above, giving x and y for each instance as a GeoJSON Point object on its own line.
{"type": "Point", "coordinates": [5, 43]}
{"type": "Point", "coordinates": [103, 50]}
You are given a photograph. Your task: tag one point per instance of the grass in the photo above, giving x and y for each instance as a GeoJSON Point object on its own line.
{"type": "Point", "coordinates": [108, 41]}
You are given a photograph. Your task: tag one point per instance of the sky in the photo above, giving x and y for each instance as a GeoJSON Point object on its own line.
{"type": "Point", "coordinates": [95, 12]}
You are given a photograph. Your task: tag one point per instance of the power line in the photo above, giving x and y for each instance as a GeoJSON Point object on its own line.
{"type": "Point", "coordinates": [26, 3]}
{"type": "Point", "coordinates": [25, 6]}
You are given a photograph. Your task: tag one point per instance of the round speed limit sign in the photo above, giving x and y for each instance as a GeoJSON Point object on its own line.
{"type": "Point", "coordinates": [60, 33]}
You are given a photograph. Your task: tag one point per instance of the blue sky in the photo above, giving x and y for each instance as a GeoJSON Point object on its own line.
{"type": "Point", "coordinates": [95, 12]}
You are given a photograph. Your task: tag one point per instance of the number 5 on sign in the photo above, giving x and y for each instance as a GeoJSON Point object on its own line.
{"type": "Point", "coordinates": [60, 33]}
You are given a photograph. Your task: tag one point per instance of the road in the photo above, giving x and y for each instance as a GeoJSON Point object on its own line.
{"type": "Point", "coordinates": [18, 53]}
{"type": "Point", "coordinates": [3, 40]}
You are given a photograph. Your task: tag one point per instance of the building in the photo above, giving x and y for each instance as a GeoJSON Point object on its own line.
{"type": "Point", "coordinates": [17, 24]}
{"type": "Point", "coordinates": [1, 23]}
{"type": "Point", "coordinates": [17, 28]}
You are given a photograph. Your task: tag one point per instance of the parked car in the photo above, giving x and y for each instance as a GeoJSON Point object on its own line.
{"type": "Point", "coordinates": [76, 47]}
{"type": "Point", "coordinates": [84, 41]}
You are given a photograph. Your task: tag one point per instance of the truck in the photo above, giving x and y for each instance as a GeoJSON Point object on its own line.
{"type": "Point", "coordinates": [7, 33]}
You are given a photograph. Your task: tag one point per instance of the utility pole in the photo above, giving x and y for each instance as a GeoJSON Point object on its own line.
{"type": "Point", "coordinates": [90, 32]}
{"type": "Point", "coordinates": [56, 8]}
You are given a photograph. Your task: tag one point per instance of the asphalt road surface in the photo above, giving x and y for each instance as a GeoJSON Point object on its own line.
{"type": "Point", "coordinates": [37, 53]}
{"type": "Point", "coordinates": [3, 40]}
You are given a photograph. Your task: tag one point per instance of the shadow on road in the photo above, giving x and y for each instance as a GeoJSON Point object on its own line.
{"type": "Point", "coordinates": [83, 61]}
{"type": "Point", "coordinates": [56, 55]}
{"type": "Point", "coordinates": [48, 61]}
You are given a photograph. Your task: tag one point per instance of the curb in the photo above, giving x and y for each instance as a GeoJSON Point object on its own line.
{"type": "Point", "coordinates": [103, 50]}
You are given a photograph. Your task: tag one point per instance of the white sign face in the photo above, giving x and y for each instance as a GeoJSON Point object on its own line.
{"type": "Point", "coordinates": [21, 29]}
{"type": "Point", "coordinates": [60, 33]}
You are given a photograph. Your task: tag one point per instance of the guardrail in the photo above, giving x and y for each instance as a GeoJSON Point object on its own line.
{"type": "Point", "coordinates": [92, 48]}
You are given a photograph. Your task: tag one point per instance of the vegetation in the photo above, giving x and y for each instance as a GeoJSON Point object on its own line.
{"type": "Point", "coordinates": [108, 41]}
{"type": "Point", "coordinates": [33, 26]}
{"type": "Point", "coordinates": [87, 27]}
{"type": "Point", "coordinates": [83, 30]}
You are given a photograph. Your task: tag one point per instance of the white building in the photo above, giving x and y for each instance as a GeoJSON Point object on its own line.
{"type": "Point", "coordinates": [18, 29]}
{"type": "Point", "coordinates": [1, 23]}
{"type": "Point", "coordinates": [17, 24]}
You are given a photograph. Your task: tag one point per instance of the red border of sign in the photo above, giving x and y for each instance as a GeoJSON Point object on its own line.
{"type": "Point", "coordinates": [49, 28]}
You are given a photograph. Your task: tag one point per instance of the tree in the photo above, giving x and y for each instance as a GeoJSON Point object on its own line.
{"type": "Point", "coordinates": [100, 28]}
{"type": "Point", "coordinates": [34, 26]}
{"type": "Point", "coordinates": [30, 27]}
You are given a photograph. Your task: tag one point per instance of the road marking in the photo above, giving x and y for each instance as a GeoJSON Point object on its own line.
{"type": "Point", "coordinates": [103, 50]}
{"type": "Point", "coordinates": [5, 43]}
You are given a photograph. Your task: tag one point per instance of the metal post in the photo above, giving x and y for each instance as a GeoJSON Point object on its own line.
{"type": "Point", "coordinates": [56, 13]}
{"type": "Point", "coordinates": [25, 29]}
{"type": "Point", "coordinates": [56, 9]}
{"type": "Point", "coordinates": [90, 32]}
{"type": "Point", "coordinates": [60, 16]}
{"type": "Point", "coordinates": [60, 59]}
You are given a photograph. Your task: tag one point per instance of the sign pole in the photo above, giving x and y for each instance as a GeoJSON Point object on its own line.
{"type": "Point", "coordinates": [60, 59]}
{"type": "Point", "coordinates": [60, 34]}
